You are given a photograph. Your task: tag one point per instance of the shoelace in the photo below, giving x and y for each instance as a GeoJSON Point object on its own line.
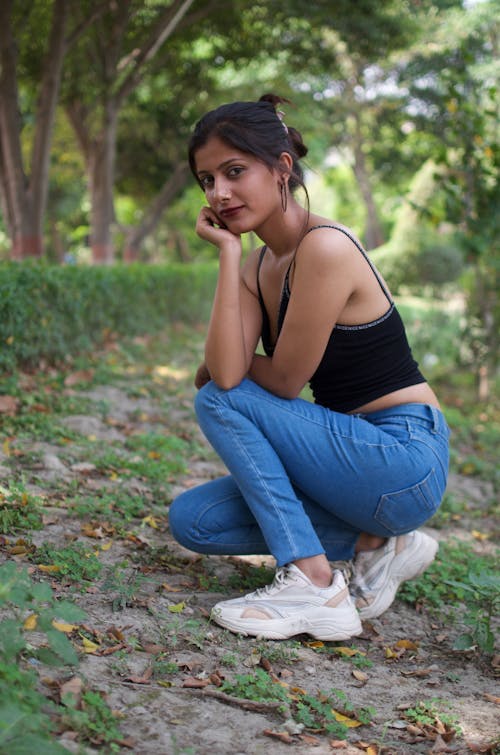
{"type": "Point", "coordinates": [279, 580]}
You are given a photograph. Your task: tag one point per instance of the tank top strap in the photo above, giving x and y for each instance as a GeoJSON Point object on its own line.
{"type": "Point", "coordinates": [358, 246]}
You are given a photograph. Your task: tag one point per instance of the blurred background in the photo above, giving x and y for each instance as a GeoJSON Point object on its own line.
{"type": "Point", "coordinates": [396, 100]}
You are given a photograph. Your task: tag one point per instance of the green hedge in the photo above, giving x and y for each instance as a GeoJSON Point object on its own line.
{"type": "Point", "coordinates": [50, 312]}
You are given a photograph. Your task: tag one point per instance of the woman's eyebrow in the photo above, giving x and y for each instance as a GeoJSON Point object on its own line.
{"type": "Point", "coordinates": [222, 165]}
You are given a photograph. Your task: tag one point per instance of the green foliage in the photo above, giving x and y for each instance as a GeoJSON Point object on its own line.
{"type": "Point", "coordinates": [51, 312]}
{"type": "Point", "coordinates": [18, 510]}
{"type": "Point", "coordinates": [95, 721]}
{"type": "Point", "coordinates": [482, 599]}
{"type": "Point", "coordinates": [125, 586]}
{"type": "Point", "coordinates": [24, 721]}
{"type": "Point", "coordinates": [459, 577]}
{"type": "Point", "coordinates": [428, 712]}
{"type": "Point", "coordinates": [257, 686]}
{"type": "Point", "coordinates": [76, 562]}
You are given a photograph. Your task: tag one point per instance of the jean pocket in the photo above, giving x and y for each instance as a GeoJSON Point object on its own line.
{"type": "Point", "coordinates": [405, 510]}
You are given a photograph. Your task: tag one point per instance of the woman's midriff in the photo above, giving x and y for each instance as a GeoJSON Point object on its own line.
{"type": "Point", "coordinates": [421, 393]}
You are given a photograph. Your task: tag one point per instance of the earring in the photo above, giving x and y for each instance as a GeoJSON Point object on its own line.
{"type": "Point", "coordinates": [284, 196]}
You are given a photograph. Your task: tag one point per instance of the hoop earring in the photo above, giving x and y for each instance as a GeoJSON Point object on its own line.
{"type": "Point", "coordinates": [284, 196]}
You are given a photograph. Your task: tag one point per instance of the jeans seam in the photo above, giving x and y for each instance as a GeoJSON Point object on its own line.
{"type": "Point", "coordinates": [219, 410]}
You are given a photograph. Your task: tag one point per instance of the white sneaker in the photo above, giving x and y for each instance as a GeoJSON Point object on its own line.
{"type": "Point", "coordinates": [377, 574]}
{"type": "Point", "coordinates": [291, 605]}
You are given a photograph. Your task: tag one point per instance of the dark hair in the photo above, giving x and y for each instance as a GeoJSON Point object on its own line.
{"type": "Point", "coordinates": [255, 128]}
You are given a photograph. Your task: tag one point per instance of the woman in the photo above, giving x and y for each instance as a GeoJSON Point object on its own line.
{"type": "Point", "coordinates": [351, 475]}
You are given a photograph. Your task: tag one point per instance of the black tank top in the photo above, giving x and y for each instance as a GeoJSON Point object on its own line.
{"type": "Point", "coordinates": [361, 362]}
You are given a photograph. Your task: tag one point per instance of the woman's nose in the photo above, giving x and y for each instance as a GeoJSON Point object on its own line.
{"type": "Point", "coordinates": [221, 189]}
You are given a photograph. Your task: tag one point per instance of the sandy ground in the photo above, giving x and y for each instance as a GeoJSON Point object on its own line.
{"type": "Point", "coordinates": [178, 708]}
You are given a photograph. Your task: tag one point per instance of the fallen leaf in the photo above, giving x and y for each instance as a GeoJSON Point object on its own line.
{"type": "Point", "coordinates": [49, 568]}
{"type": "Point", "coordinates": [491, 698]}
{"type": "Point", "coordinates": [194, 683]}
{"type": "Point", "coordinates": [349, 652]}
{"type": "Point", "coordinates": [479, 535]}
{"type": "Point", "coordinates": [351, 723]}
{"type": "Point", "coordinates": [165, 586]}
{"type": "Point", "coordinates": [360, 675]}
{"type": "Point", "coordinates": [144, 679]}
{"type": "Point", "coordinates": [177, 608]}
{"type": "Point", "coordinates": [283, 736]}
{"type": "Point", "coordinates": [73, 686]}
{"type": "Point", "coordinates": [89, 646]}
{"type": "Point", "coordinates": [151, 520]}
{"type": "Point", "coordinates": [338, 744]}
{"type": "Point", "coordinates": [30, 622]}
{"type": "Point", "coordinates": [418, 672]}
{"type": "Point", "coordinates": [61, 626]}
{"type": "Point", "coordinates": [407, 644]}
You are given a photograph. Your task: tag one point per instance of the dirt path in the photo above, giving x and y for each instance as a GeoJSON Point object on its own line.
{"type": "Point", "coordinates": [156, 656]}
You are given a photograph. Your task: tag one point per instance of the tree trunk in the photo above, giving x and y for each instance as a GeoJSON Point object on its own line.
{"type": "Point", "coordinates": [171, 188]}
{"type": "Point", "coordinates": [24, 200]}
{"type": "Point", "coordinates": [373, 230]}
{"type": "Point", "coordinates": [101, 167]}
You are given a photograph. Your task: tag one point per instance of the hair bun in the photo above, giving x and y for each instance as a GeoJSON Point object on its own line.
{"type": "Point", "coordinates": [294, 135]}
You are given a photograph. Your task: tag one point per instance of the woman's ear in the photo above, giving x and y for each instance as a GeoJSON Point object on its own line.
{"type": "Point", "coordinates": [285, 164]}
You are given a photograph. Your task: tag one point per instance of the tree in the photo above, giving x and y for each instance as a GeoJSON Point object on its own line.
{"type": "Point", "coordinates": [23, 189]}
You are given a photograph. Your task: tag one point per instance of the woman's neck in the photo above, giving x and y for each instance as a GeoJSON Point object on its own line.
{"type": "Point", "coordinates": [281, 235]}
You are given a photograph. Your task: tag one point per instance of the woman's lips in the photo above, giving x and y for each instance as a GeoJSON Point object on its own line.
{"type": "Point", "coordinates": [230, 212]}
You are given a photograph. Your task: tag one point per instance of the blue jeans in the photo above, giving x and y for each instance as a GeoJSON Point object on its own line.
{"type": "Point", "coordinates": [305, 480]}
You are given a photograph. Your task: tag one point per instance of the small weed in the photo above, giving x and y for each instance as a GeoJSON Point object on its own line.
{"type": "Point", "coordinates": [162, 667]}
{"type": "Point", "coordinates": [229, 659]}
{"type": "Point", "coordinates": [320, 713]}
{"type": "Point", "coordinates": [428, 712]}
{"type": "Point", "coordinates": [457, 577]}
{"type": "Point", "coordinates": [278, 652]}
{"type": "Point", "coordinates": [125, 586]}
{"type": "Point", "coordinates": [482, 600]}
{"type": "Point", "coordinates": [118, 507]}
{"type": "Point", "coordinates": [257, 686]}
{"type": "Point", "coordinates": [75, 561]}
{"type": "Point", "coordinates": [186, 632]}
{"type": "Point", "coordinates": [250, 577]}
{"type": "Point", "coordinates": [94, 720]}
{"type": "Point", "coordinates": [25, 724]}
{"type": "Point", "coordinates": [18, 510]}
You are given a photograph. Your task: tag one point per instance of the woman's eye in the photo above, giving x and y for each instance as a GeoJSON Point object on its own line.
{"type": "Point", "coordinates": [235, 171]}
{"type": "Point", "coordinates": [206, 181]}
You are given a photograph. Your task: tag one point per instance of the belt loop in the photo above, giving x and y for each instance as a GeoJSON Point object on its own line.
{"type": "Point", "coordinates": [435, 418]}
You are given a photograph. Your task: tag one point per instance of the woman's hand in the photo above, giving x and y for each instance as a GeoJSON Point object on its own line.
{"type": "Point", "coordinates": [211, 228]}
{"type": "Point", "coordinates": [202, 376]}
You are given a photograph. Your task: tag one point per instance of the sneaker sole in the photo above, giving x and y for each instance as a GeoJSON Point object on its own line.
{"type": "Point", "coordinates": [282, 629]}
{"type": "Point", "coordinates": [386, 597]}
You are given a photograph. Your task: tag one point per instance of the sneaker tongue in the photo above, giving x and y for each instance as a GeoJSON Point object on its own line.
{"type": "Point", "coordinates": [296, 572]}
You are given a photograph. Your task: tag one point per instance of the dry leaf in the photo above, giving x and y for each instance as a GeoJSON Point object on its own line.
{"type": "Point", "coordinates": [491, 698]}
{"type": "Point", "coordinates": [30, 622]}
{"type": "Point", "coordinates": [49, 568]}
{"type": "Point", "coordinates": [194, 683]}
{"type": "Point", "coordinates": [406, 644]}
{"type": "Point", "coordinates": [144, 679]}
{"type": "Point", "coordinates": [283, 736]}
{"type": "Point", "coordinates": [338, 744]}
{"type": "Point", "coordinates": [351, 723]}
{"type": "Point", "coordinates": [360, 675]}
{"type": "Point", "coordinates": [61, 626]}
{"type": "Point", "coordinates": [73, 686]}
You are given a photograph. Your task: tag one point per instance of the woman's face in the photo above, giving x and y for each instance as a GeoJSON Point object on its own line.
{"type": "Point", "coordinates": [240, 189]}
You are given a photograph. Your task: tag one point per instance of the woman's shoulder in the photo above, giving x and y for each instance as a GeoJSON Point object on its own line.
{"type": "Point", "coordinates": [328, 240]}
